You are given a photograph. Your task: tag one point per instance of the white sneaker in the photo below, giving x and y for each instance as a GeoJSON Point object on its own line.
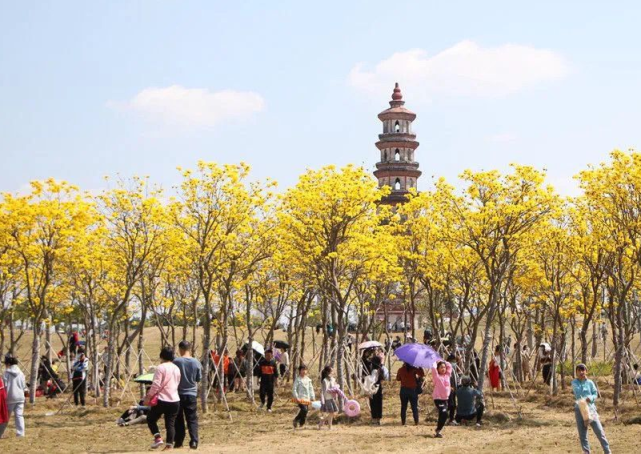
{"type": "Point", "coordinates": [453, 423]}
{"type": "Point", "coordinates": [157, 443]}
{"type": "Point", "coordinates": [269, 410]}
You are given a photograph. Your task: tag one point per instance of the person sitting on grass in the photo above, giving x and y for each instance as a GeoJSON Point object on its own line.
{"type": "Point", "coordinates": [470, 402]}
{"type": "Point", "coordinates": [136, 414]}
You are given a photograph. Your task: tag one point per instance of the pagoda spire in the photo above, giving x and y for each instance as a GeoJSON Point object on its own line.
{"type": "Point", "coordinates": [397, 144]}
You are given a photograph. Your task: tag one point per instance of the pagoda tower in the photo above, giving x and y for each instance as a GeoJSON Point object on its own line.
{"type": "Point", "coordinates": [397, 167]}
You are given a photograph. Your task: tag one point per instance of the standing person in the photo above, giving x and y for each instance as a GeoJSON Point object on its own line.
{"type": "Point", "coordinates": [376, 401]}
{"type": "Point", "coordinates": [545, 359]}
{"type": "Point", "coordinates": [240, 371]}
{"type": "Point", "coordinates": [284, 362]}
{"type": "Point", "coordinates": [495, 369]}
{"type": "Point", "coordinates": [410, 378]}
{"type": "Point", "coordinates": [441, 374]}
{"type": "Point", "coordinates": [454, 382]}
{"type": "Point", "coordinates": [584, 388]}
{"type": "Point", "coordinates": [79, 377]}
{"type": "Point", "coordinates": [190, 375]}
{"type": "Point", "coordinates": [470, 402]}
{"type": "Point", "coordinates": [303, 392]}
{"type": "Point", "coordinates": [525, 363]}
{"type": "Point", "coordinates": [268, 373]}
{"type": "Point", "coordinates": [328, 402]}
{"type": "Point", "coordinates": [73, 342]}
{"type": "Point", "coordinates": [15, 385]}
{"type": "Point", "coordinates": [163, 398]}
{"type": "Point", "coordinates": [4, 410]}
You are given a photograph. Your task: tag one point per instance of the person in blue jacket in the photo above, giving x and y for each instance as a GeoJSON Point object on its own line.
{"type": "Point", "coordinates": [584, 388]}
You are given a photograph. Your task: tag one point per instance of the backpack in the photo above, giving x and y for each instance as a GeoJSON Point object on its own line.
{"type": "Point", "coordinates": [370, 384]}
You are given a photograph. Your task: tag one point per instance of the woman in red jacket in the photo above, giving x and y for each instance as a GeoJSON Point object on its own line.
{"type": "Point", "coordinates": [495, 369]}
{"type": "Point", "coordinates": [4, 410]}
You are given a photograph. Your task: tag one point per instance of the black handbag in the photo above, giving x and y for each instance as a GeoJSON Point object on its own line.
{"type": "Point", "coordinates": [419, 385]}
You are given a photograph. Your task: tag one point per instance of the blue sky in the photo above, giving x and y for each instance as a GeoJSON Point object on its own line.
{"type": "Point", "coordinates": [89, 89]}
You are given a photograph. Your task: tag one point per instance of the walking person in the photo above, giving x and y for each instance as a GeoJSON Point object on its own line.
{"type": "Point", "coordinates": [376, 400]}
{"type": "Point", "coordinates": [240, 371]}
{"type": "Point", "coordinates": [545, 359]}
{"type": "Point", "coordinates": [163, 399]}
{"type": "Point", "coordinates": [411, 378]}
{"type": "Point", "coordinates": [470, 402]}
{"type": "Point", "coordinates": [268, 373]}
{"type": "Point", "coordinates": [190, 375]}
{"type": "Point", "coordinates": [441, 374]}
{"type": "Point", "coordinates": [284, 363]}
{"type": "Point", "coordinates": [79, 377]}
{"type": "Point", "coordinates": [303, 392]}
{"type": "Point", "coordinates": [14, 385]}
{"type": "Point", "coordinates": [329, 408]}
{"type": "Point", "coordinates": [454, 382]}
{"type": "Point", "coordinates": [584, 389]}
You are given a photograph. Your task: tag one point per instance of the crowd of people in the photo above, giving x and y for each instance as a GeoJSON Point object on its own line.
{"type": "Point", "coordinates": [173, 391]}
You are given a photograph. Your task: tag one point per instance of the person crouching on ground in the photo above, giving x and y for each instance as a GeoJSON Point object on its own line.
{"type": "Point", "coordinates": [190, 375]}
{"type": "Point", "coordinates": [303, 392]}
{"type": "Point", "coordinates": [268, 373]}
{"type": "Point", "coordinates": [584, 388]}
{"type": "Point", "coordinates": [470, 402]}
{"type": "Point", "coordinates": [15, 385]}
{"type": "Point", "coordinates": [441, 374]}
{"type": "Point", "coordinates": [410, 378]}
{"type": "Point", "coordinates": [163, 399]}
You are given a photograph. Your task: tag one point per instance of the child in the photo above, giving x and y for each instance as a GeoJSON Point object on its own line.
{"type": "Point", "coordinates": [584, 388]}
{"type": "Point", "coordinates": [637, 375]}
{"type": "Point", "coordinates": [268, 373]}
{"type": "Point", "coordinates": [441, 374]}
{"type": "Point", "coordinates": [328, 403]}
{"type": "Point", "coordinates": [303, 392]}
{"type": "Point", "coordinates": [15, 386]}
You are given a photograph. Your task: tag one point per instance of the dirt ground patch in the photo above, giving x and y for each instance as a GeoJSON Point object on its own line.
{"type": "Point", "coordinates": [541, 428]}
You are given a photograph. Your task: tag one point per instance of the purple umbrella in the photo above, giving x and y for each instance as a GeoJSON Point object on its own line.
{"type": "Point", "coordinates": [417, 355]}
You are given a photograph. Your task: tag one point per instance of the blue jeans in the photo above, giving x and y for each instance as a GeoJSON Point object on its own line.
{"type": "Point", "coordinates": [583, 432]}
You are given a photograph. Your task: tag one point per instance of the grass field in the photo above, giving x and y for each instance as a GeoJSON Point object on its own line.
{"type": "Point", "coordinates": [546, 425]}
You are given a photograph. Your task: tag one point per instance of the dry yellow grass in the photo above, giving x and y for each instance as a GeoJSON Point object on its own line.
{"type": "Point", "coordinates": [547, 426]}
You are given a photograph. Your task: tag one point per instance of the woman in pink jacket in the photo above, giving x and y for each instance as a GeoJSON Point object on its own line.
{"type": "Point", "coordinates": [441, 375]}
{"type": "Point", "coordinates": [163, 399]}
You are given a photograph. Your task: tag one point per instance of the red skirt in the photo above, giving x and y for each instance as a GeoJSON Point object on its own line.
{"type": "Point", "coordinates": [495, 375]}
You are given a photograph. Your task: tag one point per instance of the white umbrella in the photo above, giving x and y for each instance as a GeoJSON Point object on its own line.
{"type": "Point", "coordinates": [369, 344]}
{"type": "Point", "coordinates": [258, 348]}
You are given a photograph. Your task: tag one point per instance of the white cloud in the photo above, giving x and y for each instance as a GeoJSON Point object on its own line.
{"type": "Point", "coordinates": [465, 69]}
{"type": "Point", "coordinates": [192, 107]}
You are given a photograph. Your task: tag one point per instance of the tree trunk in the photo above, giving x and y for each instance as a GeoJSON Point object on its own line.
{"type": "Point", "coordinates": [35, 361]}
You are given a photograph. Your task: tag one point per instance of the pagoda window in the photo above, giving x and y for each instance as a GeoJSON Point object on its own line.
{"type": "Point", "coordinates": [397, 127]}
{"type": "Point", "coordinates": [384, 156]}
{"type": "Point", "coordinates": [397, 184]}
{"type": "Point", "coordinates": [397, 155]}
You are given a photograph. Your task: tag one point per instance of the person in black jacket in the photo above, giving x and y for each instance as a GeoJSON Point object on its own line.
{"type": "Point", "coordinates": [268, 373]}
